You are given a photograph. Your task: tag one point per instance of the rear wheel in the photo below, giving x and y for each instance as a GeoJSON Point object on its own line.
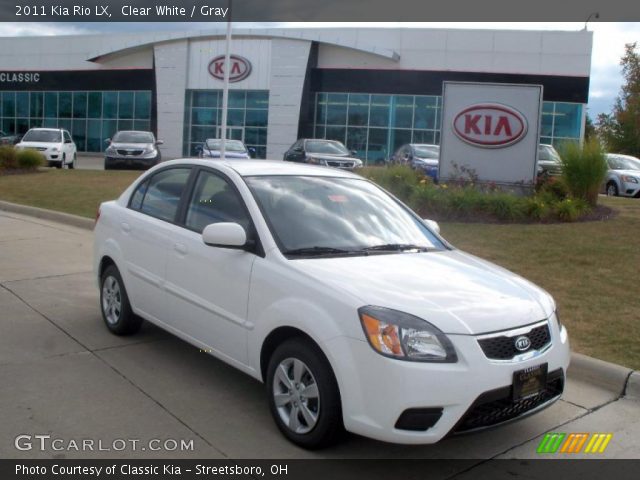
{"type": "Point", "coordinates": [114, 304]}
{"type": "Point", "coordinates": [303, 395]}
{"type": "Point", "coordinates": [612, 189]}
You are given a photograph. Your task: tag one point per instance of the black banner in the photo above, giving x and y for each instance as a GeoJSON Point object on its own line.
{"type": "Point", "coordinates": [312, 10]}
{"type": "Point", "coordinates": [591, 469]}
{"type": "Point", "coordinates": [57, 80]}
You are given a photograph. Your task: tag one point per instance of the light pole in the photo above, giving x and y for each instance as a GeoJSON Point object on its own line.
{"type": "Point", "coordinates": [225, 88]}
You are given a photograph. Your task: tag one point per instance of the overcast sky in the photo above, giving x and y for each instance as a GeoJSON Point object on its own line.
{"type": "Point", "coordinates": [608, 43]}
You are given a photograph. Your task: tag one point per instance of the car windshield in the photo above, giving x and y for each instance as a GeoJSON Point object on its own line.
{"type": "Point", "coordinates": [50, 136]}
{"type": "Point", "coordinates": [230, 145]}
{"type": "Point", "coordinates": [547, 153]}
{"type": "Point", "coordinates": [327, 147]}
{"type": "Point", "coordinates": [623, 162]}
{"type": "Point", "coordinates": [426, 151]}
{"type": "Point", "coordinates": [337, 216]}
{"type": "Point", "coordinates": [133, 137]}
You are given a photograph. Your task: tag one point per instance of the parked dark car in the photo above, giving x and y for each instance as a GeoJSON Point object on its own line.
{"type": "Point", "coordinates": [9, 139]}
{"type": "Point", "coordinates": [329, 153]}
{"type": "Point", "coordinates": [419, 156]}
{"type": "Point", "coordinates": [232, 149]}
{"type": "Point", "coordinates": [132, 148]}
{"type": "Point", "coordinates": [549, 161]}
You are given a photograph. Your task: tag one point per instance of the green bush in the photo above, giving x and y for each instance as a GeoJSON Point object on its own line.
{"type": "Point", "coordinates": [538, 207]}
{"type": "Point", "coordinates": [29, 159]}
{"type": "Point", "coordinates": [506, 207]}
{"type": "Point", "coordinates": [584, 169]}
{"type": "Point", "coordinates": [400, 180]}
{"type": "Point", "coordinates": [8, 158]}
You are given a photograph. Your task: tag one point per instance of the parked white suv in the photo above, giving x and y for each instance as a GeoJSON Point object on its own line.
{"type": "Point", "coordinates": [55, 144]}
{"type": "Point", "coordinates": [354, 311]}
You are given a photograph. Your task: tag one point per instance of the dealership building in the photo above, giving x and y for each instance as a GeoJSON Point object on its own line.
{"type": "Point", "coordinates": [374, 89]}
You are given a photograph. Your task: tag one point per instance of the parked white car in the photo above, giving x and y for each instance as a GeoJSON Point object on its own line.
{"type": "Point", "coordinates": [355, 312]}
{"type": "Point", "coordinates": [623, 176]}
{"type": "Point", "coordinates": [55, 144]}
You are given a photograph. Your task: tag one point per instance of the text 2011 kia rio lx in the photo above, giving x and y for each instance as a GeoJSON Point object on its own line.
{"type": "Point", "coordinates": [353, 310]}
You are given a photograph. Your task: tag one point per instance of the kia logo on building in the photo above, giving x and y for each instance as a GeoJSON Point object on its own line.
{"type": "Point", "coordinates": [490, 125]}
{"type": "Point", "coordinates": [240, 68]}
{"type": "Point", "coordinates": [522, 343]}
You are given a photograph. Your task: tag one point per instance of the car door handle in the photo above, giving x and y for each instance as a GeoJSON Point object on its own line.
{"type": "Point", "coordinates": [180, 248]}
{"type": "Point", "coordinates": [126, 228]}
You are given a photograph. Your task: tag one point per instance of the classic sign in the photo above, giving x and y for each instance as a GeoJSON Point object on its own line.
{"type": "Point", "coordinates": [240, 68]}
{"type": "Point", "coordinates": [490, 125]}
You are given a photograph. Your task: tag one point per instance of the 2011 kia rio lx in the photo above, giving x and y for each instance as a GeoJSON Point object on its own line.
{"type": "Point", "coordinates": [354, 311]}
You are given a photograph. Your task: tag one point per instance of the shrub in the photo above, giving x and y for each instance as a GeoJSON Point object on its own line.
{"type": "Point", "coordinates": [506, 206]}
{"type": "Point", "coordinates": [584, 169]}
{"type": "Point", "coordinates": [567, 210]}
{"type": "Point", "coordinates": [537, 208]}
{"type": "Point", "coordinates": [400, 180]}
{"type": "Point", "coordinates": [29, 159]}
{"type": "Point", "coordinates": [8, 158]}
{"type": "Point", "coordinates": [555, 186]}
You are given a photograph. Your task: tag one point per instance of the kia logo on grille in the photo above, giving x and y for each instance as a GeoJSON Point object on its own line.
{"type": "Point", "coordinates": [522, 343]}
{"type": "Point", "coordinates": [490, 125]}
{"type": "Point", "coordinates": [240, 68]}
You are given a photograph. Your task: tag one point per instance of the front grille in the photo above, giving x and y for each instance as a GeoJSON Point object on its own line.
{"type": "Point", "coordinates": [41, 149]}
{"type": "Point", "coordinates": [130, 152]}
{"type": "Point", "coordinates": [340, 164]}
{"type": "Point", "coordinates": [497, 406]}
{"type": "Point", "coordinates": [503, 347]}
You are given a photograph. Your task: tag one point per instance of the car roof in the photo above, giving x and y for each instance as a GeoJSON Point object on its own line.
{"type": "Point", "coordinates": [424, 145]}
{"type": "Point", "coordinates": [48, 129]}
{"type": "Point", "coordinates": [251, 168]}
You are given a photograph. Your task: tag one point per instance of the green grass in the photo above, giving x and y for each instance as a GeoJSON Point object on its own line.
{"type": "Point", "coordinates": [72, 191]}
{"type": "Point", "coordinates": [591, 268]}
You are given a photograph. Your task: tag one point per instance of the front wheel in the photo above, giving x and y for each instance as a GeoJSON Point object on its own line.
{"type": "Point", "coordinates": [72, 165]}
{"type": "Point", "coordinates": [612, 189]}
{"type": "Point", "coordinates": [303, 395]}
{"type": "Point", "coordinates": [115, 306]}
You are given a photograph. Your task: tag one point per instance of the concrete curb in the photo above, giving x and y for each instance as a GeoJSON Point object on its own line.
{"type": "Point", "coordinates": [608, 376]}
{"type": "Point", "coordinates": [66, 218]}
{"type": "Point", "coordinates": [633, 387]}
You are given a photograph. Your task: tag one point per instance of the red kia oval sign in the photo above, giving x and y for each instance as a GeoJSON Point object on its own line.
{"type": "Point", "coordinates": [240, 68]}
{"type": "Point", "coordinates": [490, 125]}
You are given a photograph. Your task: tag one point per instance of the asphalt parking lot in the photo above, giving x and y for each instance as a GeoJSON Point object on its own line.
{"type": "Point", "coordinates": [64, 375]}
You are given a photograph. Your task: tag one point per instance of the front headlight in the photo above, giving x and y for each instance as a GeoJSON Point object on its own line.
{"type": "Point", "coordinates": [149, 151]}
{"type": "Point", "coordinates": [317, 161]}
{"type": "Point", "coordinates": [629, 179]}
{"type": "Point", "coordinates": [55, 149]}
{"type": "Point", "coordinates": [403, 336]}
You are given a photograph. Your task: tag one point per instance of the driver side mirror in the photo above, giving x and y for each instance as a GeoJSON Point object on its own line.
{"type": "Point", "coordinates": [432, 224]}
{"type": "Point", "coordinates": [225, 235]}
{"type": "Point", "coordinates": [159, 142]}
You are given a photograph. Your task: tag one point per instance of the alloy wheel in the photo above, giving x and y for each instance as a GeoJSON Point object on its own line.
{"type": "Point", "coordinates": [111, 300]}
{"type": "Point", "coordinates": [296, 395]}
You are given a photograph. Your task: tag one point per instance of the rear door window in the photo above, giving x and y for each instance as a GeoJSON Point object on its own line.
{"type": "Point", "coordinates": [163, 194]}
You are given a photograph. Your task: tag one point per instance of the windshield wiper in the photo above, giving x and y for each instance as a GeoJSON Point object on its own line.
{"type": "Point", "coordinates": [318, 251]}
{"type": "Point", "coordinates": [396, 247]}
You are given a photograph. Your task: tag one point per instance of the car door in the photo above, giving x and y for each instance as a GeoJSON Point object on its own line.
{"type": "Point", "coordinates": [207, 287]}
{"type": "Point", "coordinates": [68, 146]}
{"type": "Point", "coordinates": [145, 229]}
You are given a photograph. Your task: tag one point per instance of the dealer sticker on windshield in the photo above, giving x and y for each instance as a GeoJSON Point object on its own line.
{"type": "Point", "coordinates": [529, 382]}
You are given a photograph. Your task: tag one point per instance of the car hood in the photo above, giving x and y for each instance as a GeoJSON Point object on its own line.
{"type": "Point", "coordinates": [227, 154]}
{"type": "Point", "coordinates": [39, 144]}
{"type": "Point", "coordinates": [632, 173]}
{"type": "Point", "coordinates": [433, 162]}
{"type": "Point", "coordinates": [131, 146]}
{"type": "Point", "coordinates": [455, 291]}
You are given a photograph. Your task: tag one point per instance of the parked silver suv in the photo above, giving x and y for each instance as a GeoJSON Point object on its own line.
{"type": "Point", "coordinates": [623, 177]}
{"type": "Point", "coordinates": [132, 148]}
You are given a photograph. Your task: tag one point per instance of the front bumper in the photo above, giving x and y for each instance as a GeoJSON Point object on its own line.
{"type": "Point", "coordinates": [630, 189]}
{"type": "Point", "coordinates": [472, 393]}
{"type": "Point", "coordinates": [130, 161]}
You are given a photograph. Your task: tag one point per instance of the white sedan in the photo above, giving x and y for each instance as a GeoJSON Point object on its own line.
{"type": "Point", "coordinates": [355, 312]}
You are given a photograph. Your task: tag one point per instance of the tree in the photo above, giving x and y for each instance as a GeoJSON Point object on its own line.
{"type": "Point", "coordinates": [589, 128]}
{"type": "Point", "coordinates": [620, 130]}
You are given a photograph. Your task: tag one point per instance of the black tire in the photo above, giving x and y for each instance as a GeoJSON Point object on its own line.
{"type": "Point", "coordinates": [328, 428]}
{"type": "Point", "coordinates": [72, 165]}
{"type": "Point", "coordinates": [612, 189]}
{"type": "Point", "coordinates": [107, 166]}
{"type": "Point", "coordinates": [120, 321]}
